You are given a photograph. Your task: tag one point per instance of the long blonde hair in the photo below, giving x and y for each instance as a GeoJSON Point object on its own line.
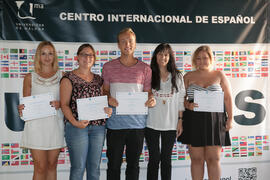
{"type": "Point", "coordinates": [37, 64]}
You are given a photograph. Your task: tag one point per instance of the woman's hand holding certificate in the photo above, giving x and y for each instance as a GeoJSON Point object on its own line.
{"type": "Point", "coordinates": [37, 106]}
{"type": "Point", "coordinates": [93, 108]}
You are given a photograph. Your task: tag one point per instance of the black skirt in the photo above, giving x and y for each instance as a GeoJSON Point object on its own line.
{"type": "Point", "coordinates": [204, 129]}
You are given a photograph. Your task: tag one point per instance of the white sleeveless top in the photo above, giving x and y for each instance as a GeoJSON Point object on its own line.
{"type": "Point", "coordinates": [44, 133]}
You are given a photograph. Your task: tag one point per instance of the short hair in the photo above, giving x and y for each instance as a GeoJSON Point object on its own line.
{"type": "Point", "coordinates": [126, 30]}
{"type": "Point", "coordinates": [37, 64]}
{"type": "Point", "coordinates": [204, 48]}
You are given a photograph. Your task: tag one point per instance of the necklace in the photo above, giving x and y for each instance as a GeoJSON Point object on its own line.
{"type": "Point", "coordinates": [163, 96]}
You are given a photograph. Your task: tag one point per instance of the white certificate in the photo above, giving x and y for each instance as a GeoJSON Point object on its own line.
{"type": "Point", "coordinates": [131, 103]}
{"type": "Point", "coordinates": [92, 108]}
{"type": "Point", "coordinates": [37, 106]}
{"type": "Point", "coordinates": [209, 101]}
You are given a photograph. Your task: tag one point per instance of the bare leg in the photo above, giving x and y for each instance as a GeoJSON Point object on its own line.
{"type": "Point", "coordinates": [197, 162]}
{"type": "Point", "coordinates": [212, 157]}
{"type": "Point", "coordinates": [52, 164]}
{"type": "Point", "coordinates": [40, 164]}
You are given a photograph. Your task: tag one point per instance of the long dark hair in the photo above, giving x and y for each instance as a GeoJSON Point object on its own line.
{"type": "Point", "coordinates": [171, 67]}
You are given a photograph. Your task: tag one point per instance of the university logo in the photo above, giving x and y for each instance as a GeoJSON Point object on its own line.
{"type": "Point", "coordinates": [30, 7]}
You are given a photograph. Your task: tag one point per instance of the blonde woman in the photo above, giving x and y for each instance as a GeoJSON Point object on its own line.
{"type": "Point", "coordinates": [206, 132]}
{"type": "Point", "coordinates": [45, 136]}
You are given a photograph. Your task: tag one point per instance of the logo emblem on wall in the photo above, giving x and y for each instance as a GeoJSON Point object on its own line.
{"type": "Point", "coordinates": [28, 7]}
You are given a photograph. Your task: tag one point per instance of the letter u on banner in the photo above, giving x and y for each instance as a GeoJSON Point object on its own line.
{"type": "Point", "coordinates": [12, 118]}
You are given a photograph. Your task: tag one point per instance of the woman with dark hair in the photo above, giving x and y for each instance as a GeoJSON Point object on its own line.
{"type": "Point", "coordinates": [84, 138]}
{"type": "Point", "coordinates": [165, 119]}
{"type": "Point", "coordinates": [206, 132]}
{"type": "Point", "coordinates": [44, 136]}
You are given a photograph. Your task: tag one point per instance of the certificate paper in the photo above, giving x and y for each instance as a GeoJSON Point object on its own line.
{"type": "Point", "coordinates": [92, 108]}
{"type": "Point", "coordinates": [131, 103]}
{"type": "Point", "coordinates": [209, 101]}
{"type": "Point", "coordinates": [37, 106]}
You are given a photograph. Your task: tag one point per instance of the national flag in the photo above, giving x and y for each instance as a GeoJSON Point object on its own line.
{"type": "Point", "coordinates": [227, 59]}
{"type": "Point", "coordinates": [68, 64]}
{"type": "Point", "coordinates": [227, 155]}
{"type": "Point", "coordinates": [14, 145]}
{"type": "Point", "coordinates": [243, 64]}
{"type": "Point", "coordinates": [242, 53]}
{"type": "Point", "coordinates": [13, 51]}
{"type": "Point", "coordinates": [146, 58]}
{"type": "Point", "coordinates": [68, 58]}
{"type": "Point", "coordinates": [227, 69]}
{"type": "Point", "coordinates": [235, 58]}
{"type": "Point", "coordinates": [234, 64]}
{"type": "Point", "coordinates": [235, 143]}
{"type": "Point", "coordinates": [264, 68]}
{"type": "Point", "coordinates": [15, 157]}
{"type": "Point", "coordinates": [3, 50]}
{"type": "Point", "coordinates": [31, 51]}
{"type": "Point", "coordinates": [4, 69]}
{"type": "Point", "coordinates": [235, 154]}
{"type": "Point", "coordinates": [266, 137]}
{"type": "Point", "coordinates": [250, 63]}
{"type": "Point", "coordinates": [258, 138]}
{"type": "Point", "coordinates": [258, 148]}
{"type": "Point", "coordinates": [181, 157]}
{"type": "Point", "coordinates": [251, 148]}
{"type": "Point", "coordinates": [243, 143]}
{"type": "Point", "coordinates": [113, 53]}
{"type": "Point", "coordinates": [179, 53]}
{"type": "Point", "coordinates": [235, 75]}
{"type": "Point", "coordinates": [227, 53]}
{"type": "Point", "coordinates": [258, 143]}
{"type": "Point", "coordinates": [4, 56]}
{"type": "Point", "coordinates": [5, 163]}
{"type": "Point", "coordinates": [243, 58]}
{"type": "Point", "coordinates": [104, 52]}
{"type": "Point", "coordinates": [187, 53]}
{"type": "Point", "coordinates": [23, 69]}
{"type": "Point", "coordinates": [219, 58]}
{"type": "Point", "coordinates": [24, 156]}
{"type": "Point", "coordinates": [219, 64]}
{"type": "Point", "coordinates": [23, 51]}
{"type": "Point", "coordinates": [264, 57]}
{"type": "Point", "coordinates": [265, 148]}
{"type": "Point", "coordinates": [227, 64]}
{"type": "Point", "coordinates": [66, 52]}
{"type": "Point", "coordinates": [23, 57]}
{"type": "Point", "coordinates": [243, 138]}
{"type": "Point", "coordinates": [264, 63]}
{"type": "Point", "coordinates": [259, 153]}
{"type": "Point", "coordinates": [258, 53]}
{"type": "Point", "coordinates": [219, 69]}
{"type": "Point", "coordinates": [14, 151]}
{"type": "Point", "coordinates": [250, 153]}
{"type": "Point", "coordinates": [234, 138]}
{"type": "Point", "coordinates": [25, 151]}
{"type": "Point", "coordinates": [31, 63]}
{"type": "Point", "coordinates": [5, 145]}
{"type": "Point", "coordinates": [60, 58]}
{"type": "Point", "coordinates": [14, 63]}
{"type": "Point", "coordinates": [264, 74]}
{"type": "Point", "coordinates": [265, 52]}
{"type": "Point", "coordinates": [103, 58]}
{"type": "Point", "coordinates": [265, 142]}
{"type": "Point", "coordinates": [5, 157]}
{"type": "Point", "coordinates": [24, 162]}
{"type": "Point", "coordinates": [4, 62]}
{"type": "Point", "coordinates": [251, 52]}
{"type": "Point", "coordinates": [243, 149]}
{"type": "Point", "coordinates": [4, 75]}
{"type": "Point", "coordinates": [234, 53]}
{"type": "Point", "coordinates": [243, 154]}
{"type": "Point", "coordinates": [5, 151]}
{"type": "Point", "coordinates": [14, 75]}
{"type": "Point", "coordinates": [235, 149]}
{"type": "Point", "coordinates": [218, 53]}
{"type": "Point", "coordinates": [23, 63]}
{"type": "Point", "coordinates": [179, 64]}
{"type": "Point", "coordinates": [179, 59]}
{"type": "Point", "coordinates": [14, 163]}
{"type": "Point", "coordinates": [243, 75]}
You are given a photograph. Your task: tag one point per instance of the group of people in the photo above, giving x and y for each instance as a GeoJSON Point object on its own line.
{"type": "Point", "coordinates": [171, 113]}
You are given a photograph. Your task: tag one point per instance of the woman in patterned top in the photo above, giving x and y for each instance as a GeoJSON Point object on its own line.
{"type": "Point", "coordinates": [206, 132]}
{"type": "Point", "coordinates": [84, 138]}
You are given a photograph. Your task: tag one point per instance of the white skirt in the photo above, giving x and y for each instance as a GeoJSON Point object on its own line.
{"type": "Point", "coordinates": [44, 134]}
